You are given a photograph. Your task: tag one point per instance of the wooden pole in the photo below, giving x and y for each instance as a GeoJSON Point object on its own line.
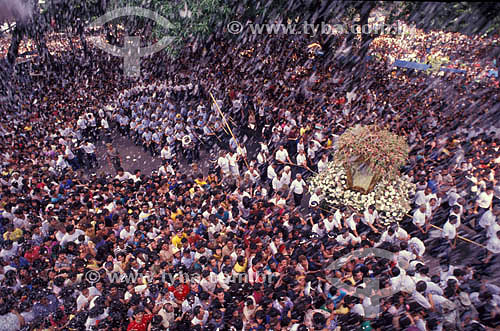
{"type": "Point", "coordinates": [227, 124]}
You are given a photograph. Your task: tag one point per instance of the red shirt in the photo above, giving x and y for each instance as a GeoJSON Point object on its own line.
{"type": "Point", "coordinates": [142, 326]}
{"type": "Point", "coordinates": [180, 295]}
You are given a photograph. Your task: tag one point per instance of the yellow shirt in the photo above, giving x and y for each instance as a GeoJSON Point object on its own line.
{"type": "Point", "coordinates": [14, 235]}
{"type": "Point", "coordinates": [240, 268]}
{"type": "Point", "coordinates": [200, 182]}
{"type": "Point", "coordinates": [174, 215]}
{"type": "Point", "coordinates": [177, 241]}
{"type": "Point", "coordinates": [341, 310]}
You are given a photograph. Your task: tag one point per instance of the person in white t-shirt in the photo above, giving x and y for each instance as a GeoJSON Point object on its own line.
{"type": "Point", "coordinates": [315, 198]}
{"type": "Point", "coordinates": [223, 164]}
{"type": "Point", "coordinates": [71, 235]}
{"type": "Point", "coordinates": [450, 231]}
{"type": "Point", "coordinates": [332, 223]}
{"type": "Point", "coordinates": [489, 220]}
{"type": "Point", "coordinates": [286, 176]}
{"type": "Point", "coordinates": [91, 158]}
{"type": "Point", "coordinates": [323, 163]}
{"type": "Point", "coordinates": [493, 247]}
{"type": "Point", "coordinates": [233, 159]}
{"type": "Point", "coordinates": [416, 246]}
{"type": "Point", "coordinates": [419, 218]}
{"type": "Point", "coordinates": [297, 187]}
{"type": "Point", "coordinates": [282, 155]}
{"type": "Point", "coordinates": [123, 175]}
{"type": "Point", "coordinates": [302, 160]}
{"type": "Point", "coordinates": [484, 201]}
{"type": "Point", "coordinates": [370, 218]}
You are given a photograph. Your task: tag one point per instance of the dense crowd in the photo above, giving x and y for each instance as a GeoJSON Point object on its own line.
{"type": "Point", "coordinates": [473, 54]}
{"type": "Point", "coordinates": [243, 245]}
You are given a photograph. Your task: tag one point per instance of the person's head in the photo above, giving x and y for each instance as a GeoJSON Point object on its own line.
{"type": "Point", "coordinates": [198, 312]}
{"type": "Point", "coordinates": [453, 219]}
{"type": "Point", "coordinates": [496, 210]}
{"type": "Point", "coordinates": [138, 315]}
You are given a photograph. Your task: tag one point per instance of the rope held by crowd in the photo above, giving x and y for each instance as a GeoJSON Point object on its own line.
{"type": "Point", "coordinates": [434, 226]}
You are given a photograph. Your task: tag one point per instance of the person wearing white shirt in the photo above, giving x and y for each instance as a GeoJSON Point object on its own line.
{"type": "Point", "coordinates": [127, 233]}
{"type": "Point", "coordinates": [493, 247]}
{"type": "Point", "coordinates": [261, 158]}
{"type": "Point", "coordinates": [302, 160]}
{"type": "Point", "coordinates": [423, 197]}
{"type": "Point", "coordinates": [123, 175]}
{"type": "Point", "coordinates": [276, 184]}
{"type": "Point", "coordinates": [71, 235]}
{"type": "Point", "coordinates": [91, 159]}
{"type": "Point", "coordinates": [167, 153]}
{"type": "Point", "coordinates": [352, 223]}
{"type": "Point", "coordinates": [282, 155]}
{"type": "Point", "coordinates": [484, 200]}
{"type": "Point", "coordinates": [323, 163]}
{"type": "Point", "coordinates": [489, 219]}
{"type": "Point", "coordinates": [286, 176]}
{"type": "Point", "coordinates": [419, 218]}
{"type": "Point", "coordinates": [70, 156]}
{"type": "Point", "coordinates": [347, 238]}
{"type": "Point", "coordinates": [419, 295]}
{"type": "Point", "coordinates": [450, 231]}
{"type": "Point", "coordinates": [223, 164]}
{"type": "Point", "coordinates": [61, 162]}
{"type": "Point", "coordinates": [166, 169]}
{"type": "Point", "coordinates": [416, 246]}
{"type": "Point", "coordinates": [452, 196]}
{"type": "Point", "coordinates": [457, 211]}
{"type": "Point", "coordinates": [388, 236]}
{"type": "Point", "coordinates": [298, 187]}
{"type": "Point", "coordinates": [319, 228]}
{"type": "Point", "coordinates": [315, 198]}
{"type": "Point", "coordinates": [271, 172]}
{"type": "Point", "coordinates": [241, 151]}
{"type": "Point", "coordinates": [333, 222]}
{"type": "Point", "coordinates": [233, 164]}
{"type": "Point", "coordinates": [370, 217]}
{"type": "Point", "coordinates": [252, 174]}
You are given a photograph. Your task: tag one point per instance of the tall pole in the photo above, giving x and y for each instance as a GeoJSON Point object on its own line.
{"type": "Point", "coordinates": [227, 125]}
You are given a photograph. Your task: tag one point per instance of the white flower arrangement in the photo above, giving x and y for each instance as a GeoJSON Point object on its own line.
{"type": "Point", "coordinates": [390, 197]}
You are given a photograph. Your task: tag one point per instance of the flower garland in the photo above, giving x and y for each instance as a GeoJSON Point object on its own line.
{"type": "Point", "coordinates": [381, 150]}
{"type": "Point", "coordinates": [391, 197]}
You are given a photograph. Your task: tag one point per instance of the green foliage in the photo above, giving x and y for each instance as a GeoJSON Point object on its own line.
{"type": "Point", "coordinates": [189, 19]}
{"type": "Point", "coordinates": [465, 17]}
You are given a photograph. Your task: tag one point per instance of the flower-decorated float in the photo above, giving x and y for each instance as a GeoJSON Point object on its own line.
{"type": "Point", "coordinates": [366, 171]}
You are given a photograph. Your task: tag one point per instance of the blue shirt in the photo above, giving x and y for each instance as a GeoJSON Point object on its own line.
{"type": "Point", "coordinates": [432, 185]}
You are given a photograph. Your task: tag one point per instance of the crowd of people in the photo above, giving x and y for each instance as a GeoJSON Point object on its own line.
{"type": "Point", "coordinates": [473, 54]}
{"type": "Point", "coordinates": [245, 245]}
